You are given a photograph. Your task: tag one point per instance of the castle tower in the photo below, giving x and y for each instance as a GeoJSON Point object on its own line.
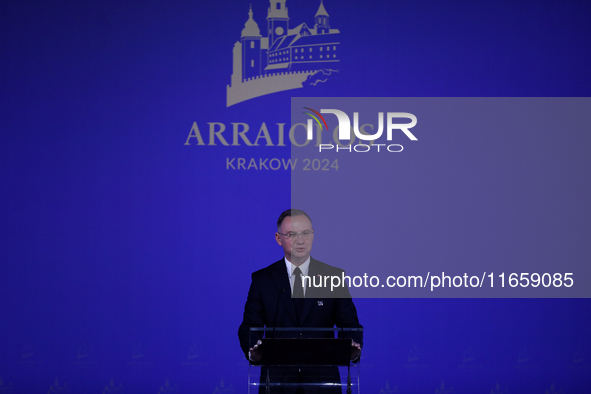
{"type": "Point", "coordinates": [277, 20]}
{"type": "Point", "coordinates": [236, 64]}
{"type": "Point", "coordinates": [251, 48]}
{"type": "Point", "coordinates": [321, 19]}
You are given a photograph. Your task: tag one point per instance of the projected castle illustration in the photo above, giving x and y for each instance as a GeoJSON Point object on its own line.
{"type": "Point", "coordinates": [286, 58]}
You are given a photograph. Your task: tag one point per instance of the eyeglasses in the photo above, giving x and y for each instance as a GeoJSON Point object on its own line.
{"type": "Point", "coordinates": [294, 236]}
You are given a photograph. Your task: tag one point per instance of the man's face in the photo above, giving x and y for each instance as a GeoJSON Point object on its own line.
{"type": "Point", "coordinates": [297, 249]}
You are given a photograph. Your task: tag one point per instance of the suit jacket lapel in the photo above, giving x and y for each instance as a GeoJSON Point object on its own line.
{"type": "Point", "coordinates": [282, 282]}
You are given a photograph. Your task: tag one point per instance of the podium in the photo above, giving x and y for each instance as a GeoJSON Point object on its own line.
{"type": "Point", "coordinates": [304, 360]}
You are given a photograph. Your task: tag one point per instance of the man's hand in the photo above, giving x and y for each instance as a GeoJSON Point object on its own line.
{"type": "Point", "coordinates": [255, 353]}
{"type": "Point", "coordinates": [355, 350]}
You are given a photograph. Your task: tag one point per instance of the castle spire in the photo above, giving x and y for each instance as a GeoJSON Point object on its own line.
{"type": "Point", "coordinates": [321, 18]}
{"type": "Point", "coordinates": [321, 10]}
{"type": "Point", "coordinates": [251, 28]}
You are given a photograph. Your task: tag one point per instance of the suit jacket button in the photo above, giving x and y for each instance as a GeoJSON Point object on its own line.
{"type": "Point", "coordinates": [301, 334]}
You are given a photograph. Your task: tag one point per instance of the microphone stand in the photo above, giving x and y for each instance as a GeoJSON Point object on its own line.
{"type": "Point", "coordinates": [268, 382]}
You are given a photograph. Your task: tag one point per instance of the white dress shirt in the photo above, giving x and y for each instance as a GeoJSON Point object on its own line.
{"type": "Point", "coordinates": [290, 268]}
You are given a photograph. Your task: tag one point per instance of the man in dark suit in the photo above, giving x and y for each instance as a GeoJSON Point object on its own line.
{"type": "Point", "coordinates": [280, 296]}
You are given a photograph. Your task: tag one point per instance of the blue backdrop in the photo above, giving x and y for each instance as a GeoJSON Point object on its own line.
{"type": "Point", "coordinates": [127, 252]}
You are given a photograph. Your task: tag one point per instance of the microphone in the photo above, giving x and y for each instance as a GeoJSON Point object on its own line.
{"type": "Point", "coordinates": [277, 311]}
